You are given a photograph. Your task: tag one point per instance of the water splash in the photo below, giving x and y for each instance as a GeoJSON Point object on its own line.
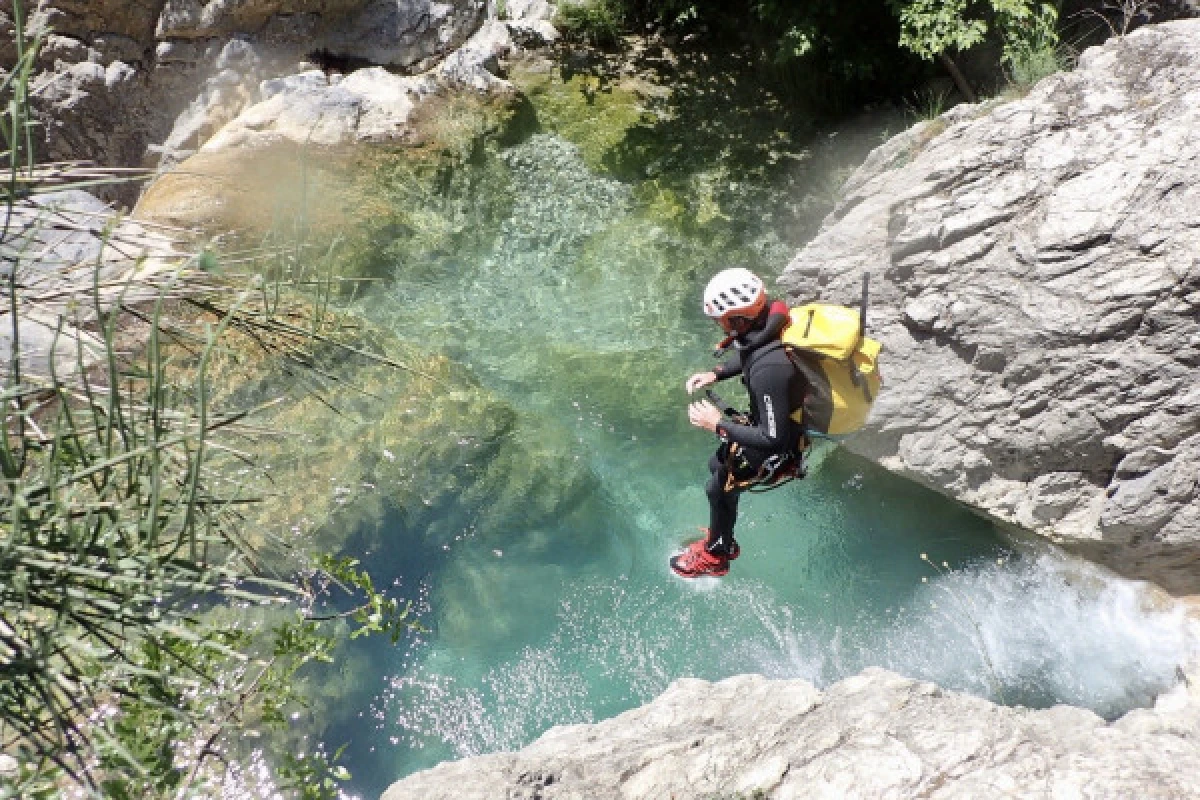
{"type": "Point", "coordinates": [1042, 630]}
{"type": "Point", "coordinates": [1053, 630]}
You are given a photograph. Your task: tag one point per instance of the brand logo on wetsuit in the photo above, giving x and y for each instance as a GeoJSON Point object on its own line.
{"type": "Point", "coordinates": [770, 414]}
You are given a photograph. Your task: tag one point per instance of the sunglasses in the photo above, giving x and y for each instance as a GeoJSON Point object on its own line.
{"type": "Point", "coordinates": [736, 324]}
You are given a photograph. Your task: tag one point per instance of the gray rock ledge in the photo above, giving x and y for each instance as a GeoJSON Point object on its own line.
{"type": "Point", "coordinates": [875, 735]}
{"type": "Point", "coordinates": [148, 82]}
{"type": "Point", "coordinates": [1036, 283]}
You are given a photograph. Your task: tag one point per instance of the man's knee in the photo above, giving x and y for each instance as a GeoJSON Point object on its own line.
{"type": "Point", "coordinates": [715, 487]}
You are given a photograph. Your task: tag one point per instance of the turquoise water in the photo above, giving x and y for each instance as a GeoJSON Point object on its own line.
{"type": "Point", "coordinates": [581, 314]}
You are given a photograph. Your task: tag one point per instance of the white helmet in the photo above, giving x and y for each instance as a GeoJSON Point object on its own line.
{"type": "Point", "coordinates": [734, 292]}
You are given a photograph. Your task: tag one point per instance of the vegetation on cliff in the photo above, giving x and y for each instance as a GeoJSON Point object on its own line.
{"type": "Point", "coordinates": [838, 56]}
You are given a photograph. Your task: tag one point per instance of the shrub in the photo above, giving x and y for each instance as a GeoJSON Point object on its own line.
{"type": "Point", "coordinates": [599, 23]}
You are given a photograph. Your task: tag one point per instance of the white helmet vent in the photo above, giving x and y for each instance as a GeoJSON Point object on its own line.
{"type": "Point", "coordinates": [732, 290]}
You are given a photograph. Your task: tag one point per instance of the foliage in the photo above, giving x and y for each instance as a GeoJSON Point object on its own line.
{"type": "Point", "coordinates": [1122, 16]}
{"type": "Point", "coordinates": [838, 56]}
{"type": "Point", "coordinates": [927, 104]}
{"type": "Point", "coordinates": [833, 56]}
{"type": "Point", "coordinates": [599, 23]}
{"type": "Point", "coordinates": [931, 28]}
{"type": "Point", "coordinates": [124, 566]}
{"type": "Point", "coordinates": [1030, 61]}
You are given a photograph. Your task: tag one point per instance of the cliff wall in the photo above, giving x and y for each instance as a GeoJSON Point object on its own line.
{"type": "Point", "coordinates": [1036, 283]}
{"type": "Point", "coordinates": [148, 82]}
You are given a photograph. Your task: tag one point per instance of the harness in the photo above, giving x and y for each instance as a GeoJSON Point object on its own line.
{"type": "Point", "coordinates": [776, 470]}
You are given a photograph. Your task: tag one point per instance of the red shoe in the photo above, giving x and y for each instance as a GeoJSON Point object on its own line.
{"type": "Point", "coordinates": [735, 549]}
{"type": "Point", "coordinates": [696, 562]}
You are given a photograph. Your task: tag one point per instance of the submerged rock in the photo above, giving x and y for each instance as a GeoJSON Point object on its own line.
{"type": "Point", "coordinates": [1036, 282]}
{"type": "Point", "coordinates": [424, 443]}
{"type": "Point", "coordinates": [873, 735]}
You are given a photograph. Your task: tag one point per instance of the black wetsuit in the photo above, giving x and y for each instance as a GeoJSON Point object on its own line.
{"type": "Point", "coordinates": [775, 388]}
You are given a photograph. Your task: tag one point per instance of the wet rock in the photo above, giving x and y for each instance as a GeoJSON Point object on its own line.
{"type": "Point", "coordinates": [430, 448]}
{"type": "Point", "coordinates": [873, 735]}
{"type": "Point", "coordinates": [1035, 267]}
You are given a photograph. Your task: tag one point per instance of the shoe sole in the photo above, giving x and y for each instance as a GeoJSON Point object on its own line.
{"type": "Point", "coordinates": [691, 575]}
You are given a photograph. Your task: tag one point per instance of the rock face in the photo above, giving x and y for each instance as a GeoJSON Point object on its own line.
{"type": "Point", "coordinates": [73, 258]}
{"type": "Point", "coordinates": [127, 83]}
{"type": "Point", "coordinates": [396, 33]}
{"type": "Point", "coordinates": [875, 735]}
{"type": "Point", "coordinates": [1036, 282]}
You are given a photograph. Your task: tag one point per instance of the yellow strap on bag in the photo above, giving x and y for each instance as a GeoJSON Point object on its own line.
{"type": "Point", "coordinates": [853, 385]}
{"type": "Point", "coordinates": [824, 329]}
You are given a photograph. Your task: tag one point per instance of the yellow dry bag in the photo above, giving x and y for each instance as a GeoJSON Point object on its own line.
{"type": "Point", "coordinates": [827, 344]}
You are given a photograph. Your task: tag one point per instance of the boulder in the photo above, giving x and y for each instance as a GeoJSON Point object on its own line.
{"type": "Point", "coordinates": [73, 259]}
{"type": "Point", "coordinates": [1035, 272]}
{"type": "Point", "coordinates": [149, 82]}
{"type": "Point", "coordinates": [874, 735]}
{"type": "Point", "coordinates": [239, 108]}
{"type": "Point", "coordinates": [393, 33]}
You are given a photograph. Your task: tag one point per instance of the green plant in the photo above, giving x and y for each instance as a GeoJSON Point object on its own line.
{"type": "Point", "coordinates": [1122, 16]}
{"type": "Point", "coordinates": [1032, 50]}
{"type": "Point", "coordinates": [599, 23]}
{"type": "Point", "coordinates": [1030, 62]}
{"type": "Point", "coordinates": [928, 104]}
{"type": "Point", "coordinates": [121, 544]}
{"type": "Point", "coordinates": [937, 29]}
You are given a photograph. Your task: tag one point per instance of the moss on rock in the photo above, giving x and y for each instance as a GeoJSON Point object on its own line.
{"type": "Point", "coordinates": [382, 441]}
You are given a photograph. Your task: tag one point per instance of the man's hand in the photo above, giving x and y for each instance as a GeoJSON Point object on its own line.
{"type": "Point", "coordinates": [700, 380]}
{"type": "Point", "coordinates": [704, 414]}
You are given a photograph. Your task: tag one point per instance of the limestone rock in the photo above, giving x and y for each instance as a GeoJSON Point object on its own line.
{"type": "Point", "coordinates": [530, 22]}
{"type": "Point", "coordinates": [73, 257]}
{"type": "Point", "coordinates": [529, 10]}
{"type": "Point", "coordinates": [128, 83]}
{"type": "Point", "coordinates": [476, 64]}
{"type": "Point", "coordinates": [309, 108]}
{"type": "Point", "coordinates": [1036, 283]}
{"type": "Point", "coordinates": [396, 33]}
{"type": "Point", "coordinates": [874, 735]}
{"type": "Point", "coordinates": [406, 33]}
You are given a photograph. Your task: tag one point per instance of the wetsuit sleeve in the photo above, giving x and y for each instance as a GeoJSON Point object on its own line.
{"type": "Point", "coordinates": [776, 431]}
{"type": "Point", "coordinates": [777, 320]}
{"type": "Point", "coordinates": [729, 367]}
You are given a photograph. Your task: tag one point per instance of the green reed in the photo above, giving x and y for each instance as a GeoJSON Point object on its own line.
{"type": "Point", "coordinates": [121, 542]}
